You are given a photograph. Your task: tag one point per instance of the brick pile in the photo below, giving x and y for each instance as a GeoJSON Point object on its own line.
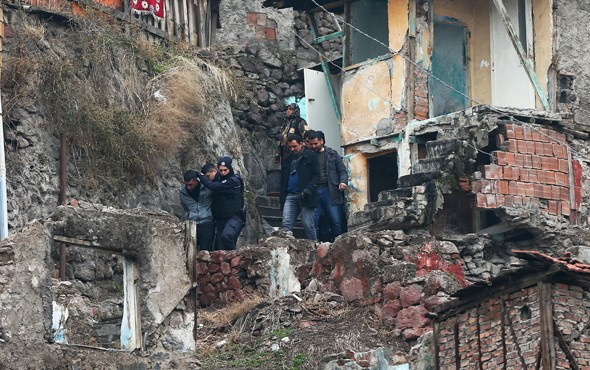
{"type": "Point", "coordinates": [532, 168]}
{"type": "Point", "coordinates": [217, 277]}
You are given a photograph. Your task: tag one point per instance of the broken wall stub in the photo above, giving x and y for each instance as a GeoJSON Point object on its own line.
{"type": "Point", "coordinates": [270, 269]}
{"type": "Point", "coordinates": [154, 241]}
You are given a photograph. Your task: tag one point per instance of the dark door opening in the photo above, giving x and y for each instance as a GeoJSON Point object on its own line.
{"type": "Point", "coordinates": [382, 174]}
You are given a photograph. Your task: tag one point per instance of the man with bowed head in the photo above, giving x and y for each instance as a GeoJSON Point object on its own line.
{"type": "Point", "coordinates": [228, 204]}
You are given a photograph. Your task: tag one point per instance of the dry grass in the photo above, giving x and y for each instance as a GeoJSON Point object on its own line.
{"type": "Point", "coordinates": [179, 99]}
{"type": "Point", "coordinates": [225, 317]}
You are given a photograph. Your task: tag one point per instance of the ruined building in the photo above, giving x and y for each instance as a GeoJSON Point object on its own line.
{"type": "Point", "coordinates": [463, 126]}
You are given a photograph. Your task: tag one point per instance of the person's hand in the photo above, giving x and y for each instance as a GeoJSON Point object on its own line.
{"type": "Point", "coordinates": [342, 186]}
{"type": "Point", "coordinates": [306, 192]}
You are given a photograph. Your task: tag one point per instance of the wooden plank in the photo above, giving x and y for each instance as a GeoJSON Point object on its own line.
{"type": "Point", "coordinates": [564, 347]}
{"type": "Point", "coordinates": [544, 290]}
{"type": "Point", "coordinates": [435, 337]}
{"type": "Point", "coordinates": [176, 19]}
{"type": "Point", "coordinates": [202, 14]}
{"type": "Point", "coordinates": [503, 328]}
{"type": "Point", "coordinates": [74, 241]}
{"type": "Point", "coordinates": [185, 30]}
{"type": "Point", "coordinates": [191, 23]}
{"type": "Point", "coordinates": [130, 337]}
{"type": "Point", "coordinates": [328, 37]}
{"type": "Point", "coordinates": [524, 59]}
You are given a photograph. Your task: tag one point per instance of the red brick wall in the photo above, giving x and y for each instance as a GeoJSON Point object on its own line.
{"type": "Point", "coordinates": [532, 168]}
{"type": "Point", "coordinates": [264, 28]}
{"type": "Point", "coordinates": [571, 311]}
{"type": "Point", "coordinates": [484, 331]}
{"type": "Point", "coordinates": [421, 95]}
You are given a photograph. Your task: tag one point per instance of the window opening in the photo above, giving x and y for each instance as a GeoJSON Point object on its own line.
{"type": "Point", "coordinates": [421, 141]}
{"type": "Point", "coordinates": [371, 17]}
{"type": "Point", "coordinates": [383, 174]}
{"type": "Point", "coordinates": [96, 305]}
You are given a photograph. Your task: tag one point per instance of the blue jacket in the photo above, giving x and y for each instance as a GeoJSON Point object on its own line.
{"type": "Point", "coordinates": [200, 210]}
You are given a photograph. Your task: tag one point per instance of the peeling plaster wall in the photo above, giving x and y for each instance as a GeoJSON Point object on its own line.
{"type": "Point", "coordinates": [366, 97]}
{"type": "Point", "coordinates": [543, 42]}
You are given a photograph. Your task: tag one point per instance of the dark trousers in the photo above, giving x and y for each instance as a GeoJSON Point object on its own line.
{"type": "Point", "coordinates": [228, 230]}
{"type": "Point", "coordinates": [205, 236]}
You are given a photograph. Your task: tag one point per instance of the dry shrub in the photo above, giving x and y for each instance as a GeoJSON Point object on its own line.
{"type": "Point", "coordinates": [180, 97]}
{"type": "Point", "coordinates": [22, 64]}
{"type": "Point", "coordinates": [226, 316]}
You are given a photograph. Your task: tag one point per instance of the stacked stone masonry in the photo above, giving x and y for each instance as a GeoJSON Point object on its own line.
{"type": "Point", "coordinates": [532, 167]}
{"type": "Point", "coordinates": [217, 276]}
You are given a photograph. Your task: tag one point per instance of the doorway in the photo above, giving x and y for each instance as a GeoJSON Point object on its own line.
{"type": "Point", "coordinates": [449, 64]}
{"type": "Point", "coordinates": [383, 174]}
{"type": "Point", "coordinates": [511, 86]}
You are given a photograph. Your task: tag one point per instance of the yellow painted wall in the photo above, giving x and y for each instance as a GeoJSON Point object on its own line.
{"type": "Point", "coordinates": [475, 14]}
{"type": "Point", "coordinates": [366, 97]}
{"type": "Point", "coordinates": [397, 20]}
{"type": "Point", "coordinates": [543, 42]}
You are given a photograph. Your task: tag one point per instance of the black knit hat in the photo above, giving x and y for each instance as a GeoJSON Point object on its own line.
{"type": "Point", "coordinates": [225, 161]}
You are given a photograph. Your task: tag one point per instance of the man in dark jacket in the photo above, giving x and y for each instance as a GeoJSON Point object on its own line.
{"type": "Point", "coordinates": [196, 201]}
{"type": "Point", "coordinates": [298, 190]}
{"type": "Point", "coordinates": [294, 125]}
{"type": "Point", "coordinates": [333, 180]}
{"type": "Point", "coordinates": [228, 204]}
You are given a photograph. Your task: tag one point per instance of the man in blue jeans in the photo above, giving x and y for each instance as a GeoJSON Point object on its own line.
{"type": "Point", "coordinates": [298, 188]}
{"type": "Point", "coordinates": [333, 180]}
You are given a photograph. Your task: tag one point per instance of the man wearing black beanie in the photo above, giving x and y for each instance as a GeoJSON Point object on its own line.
{"type": "Point", "coordinates": [228, 204]}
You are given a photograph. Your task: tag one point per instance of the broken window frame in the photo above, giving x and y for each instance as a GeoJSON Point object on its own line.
{"type": "Point", "coordinates": [348, 53]}
{"type": "Point", "coordinates": [130, 334]}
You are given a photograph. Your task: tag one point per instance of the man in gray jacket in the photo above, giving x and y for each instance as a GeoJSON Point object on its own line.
{"type": "Point", "coordinates": [196, 199]}
{"type": "Point", "coordinates": [333, 181]}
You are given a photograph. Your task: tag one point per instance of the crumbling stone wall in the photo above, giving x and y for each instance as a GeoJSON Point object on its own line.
{"type": "Point", "coordinates": [483, 334]}
{"type": "Point", "coordinates": [218, 277]}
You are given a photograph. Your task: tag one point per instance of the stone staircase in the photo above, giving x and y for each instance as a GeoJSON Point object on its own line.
{"type": "Point", "coordinates": [270, 211]}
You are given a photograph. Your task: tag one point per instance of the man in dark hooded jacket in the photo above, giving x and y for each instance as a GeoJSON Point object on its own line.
{"type": "Point", "coordinates": [228, 204]}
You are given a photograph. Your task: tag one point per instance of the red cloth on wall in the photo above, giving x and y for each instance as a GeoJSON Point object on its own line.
{"type": "Point", "coordinates": [154, 7]}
